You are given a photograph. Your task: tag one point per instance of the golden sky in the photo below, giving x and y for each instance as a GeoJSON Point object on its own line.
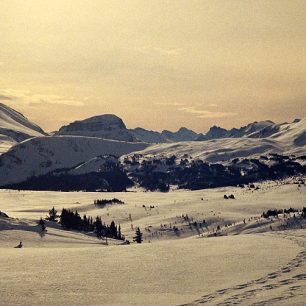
{"type": "Point", "coordinates": [157, 64]}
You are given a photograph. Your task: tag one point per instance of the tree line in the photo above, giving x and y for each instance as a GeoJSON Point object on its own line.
{"type": "Point", "coordinates": [72, 220]}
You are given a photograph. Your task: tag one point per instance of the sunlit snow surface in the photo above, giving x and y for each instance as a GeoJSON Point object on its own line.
{"type": "Point", "coordinates": [259, 265]}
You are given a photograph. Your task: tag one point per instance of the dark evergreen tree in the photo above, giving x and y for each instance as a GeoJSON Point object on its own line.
{"type": "Point", "coordinates": [112, 230]}
{"type": "Point", "coordinates": [99, 227]}
{"type": "Point", "coordinates": [119, 233]}
{"type": "Point", "coordinates": [138, 236]}
{"type": "Point", "coordinates": [52, 215]}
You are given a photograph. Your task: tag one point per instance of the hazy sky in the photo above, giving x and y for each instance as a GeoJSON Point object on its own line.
{"type": "Point", "coordinates": [156, 64]}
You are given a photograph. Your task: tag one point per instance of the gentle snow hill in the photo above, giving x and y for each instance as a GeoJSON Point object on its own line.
{"type": "Point", "coordinates": [294, 132]}
{"type": "Point", "coordinates": [14, 127]}
{"type": "Point", "coordinates": [106, 126]}
{"type": "Point", "coordinates": [222, 150]}
{"type": "Point", "coordinates": [95, 164]}
{"type": "Point", "coordinates": [38, 156]}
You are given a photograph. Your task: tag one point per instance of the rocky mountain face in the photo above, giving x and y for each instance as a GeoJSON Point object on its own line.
{"type": "Point", "coordinates": [260, 129]}
{"type": "Point", "coordinates": [147, 136]}
{"type": "Point", "coordinates": [104, 126]}
{"type": "Point", "coordinates": [183, 134]}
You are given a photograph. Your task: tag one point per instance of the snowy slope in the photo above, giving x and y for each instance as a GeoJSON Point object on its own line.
{"type": "Point", "coordinates": [293, 132]}
{"type": "Point", "coordinates": [13, 121]}
{"type": "Point", "coordinates": [220, 150]}
{"type": "Point", "coordinates": [95, 164]}
{"type": "Point", "coordinates": [41, 155]}
{"type": "Point", "coordinates": [14, 127]}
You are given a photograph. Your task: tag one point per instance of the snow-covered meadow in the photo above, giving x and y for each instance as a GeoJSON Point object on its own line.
{"type": "Point", "coordinates": [252, 262]}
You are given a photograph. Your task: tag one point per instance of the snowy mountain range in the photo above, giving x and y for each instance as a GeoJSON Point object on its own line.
{"type": "Point", "coordinates": [262, 129]}
{"type": "Point", "coordinates": [84, 146]}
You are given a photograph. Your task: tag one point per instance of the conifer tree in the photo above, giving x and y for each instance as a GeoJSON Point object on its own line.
{"type": "Point", "coordinates": [138, 236]}
{"type": "Point", "coordinates": [52, 215]}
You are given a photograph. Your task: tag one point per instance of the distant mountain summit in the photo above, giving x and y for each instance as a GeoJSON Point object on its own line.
{"type": "Point", "coordinates": [183, 134]}
{"type": "Point", "coordinates": [106, 126]}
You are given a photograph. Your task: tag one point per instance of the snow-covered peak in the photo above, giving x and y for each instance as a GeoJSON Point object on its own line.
{"type": "Point", "coordinates": [106, 126]}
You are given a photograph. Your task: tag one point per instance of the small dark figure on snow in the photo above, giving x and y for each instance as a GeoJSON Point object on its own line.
{"type": "Point", "coordinates": [41, 222]}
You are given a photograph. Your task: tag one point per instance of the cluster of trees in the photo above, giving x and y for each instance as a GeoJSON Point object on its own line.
{"type": "Point", "coordinates": [304, 212]}
{"type": "Point", "coordinates": [159, 174]}
{"type": "Point", "coordinates": [72, 220]}
{"type": "Point", "coordinates": [103, 202]}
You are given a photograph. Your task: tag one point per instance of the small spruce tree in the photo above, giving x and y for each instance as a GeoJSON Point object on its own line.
{"type": "Point", "coordinates": [52, 215]}
{"type": "Point", "coordinates": [138, 236]}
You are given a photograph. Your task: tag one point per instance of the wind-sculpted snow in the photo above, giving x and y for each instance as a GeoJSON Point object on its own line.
{"type": "Point", "coordinates": [14, 128]}
{"type": "Point", "coordinates": [39, 156]}
{"type": "Point", "coordinates": [11, 119]}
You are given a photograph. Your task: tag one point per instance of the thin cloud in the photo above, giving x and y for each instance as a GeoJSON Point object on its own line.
{"type": "Point", "coordinates": [3, 97]}
{"type": "Point", "coordinates": [28, 98]}
{"type": "Point", "coordinates": [161, 51]}
{"type": "Point", "coordinates": [201, 113]}
{"type": "Point", "coordinates": [169, 104]}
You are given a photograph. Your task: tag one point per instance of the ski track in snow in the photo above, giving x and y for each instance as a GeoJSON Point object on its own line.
{"type": "Point", "coordinates": [290, 279]}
